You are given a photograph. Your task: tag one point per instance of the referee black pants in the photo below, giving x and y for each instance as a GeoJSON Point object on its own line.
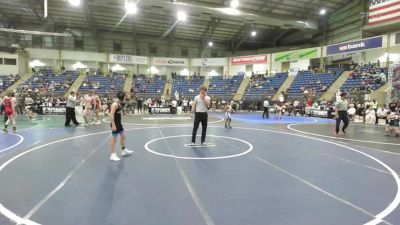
{"type": "Point", "coordinates": [266, 112]}
{"type": "Point", "coordinates": [70, 115]}
{"type": "Point", "coordinates": [342, 116]}
{"type": "Point", "coordinates": [203, 118]}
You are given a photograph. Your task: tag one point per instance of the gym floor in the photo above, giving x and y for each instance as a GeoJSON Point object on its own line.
{"type": "Point", "coordinates": [289, 171]}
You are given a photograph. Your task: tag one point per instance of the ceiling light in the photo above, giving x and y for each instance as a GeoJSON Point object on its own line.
{"type": "Point", "coordinates": [182, 16]}
{"type": "Point", "coordinates": [234, 4]}
{"type": "Point", "coordinates": [322, 11]}
{"type": "Point", "coordinates": [75, 2]}
{"type": "Point", "coordinates": [131, 7]}
{"type": "Point", "coordinates": [253, 33]}
{"type": "Point", "coordinates": [210, 43]}
{"type": "Point", "coordinates": [45, 9]}
{"type": "Point", "coordinates": [229, 11]}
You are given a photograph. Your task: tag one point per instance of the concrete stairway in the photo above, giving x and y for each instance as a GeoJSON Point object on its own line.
{"type": "Point", "coordinates": [77, 83]}
{"type": "Point", "coordinates": [206, 83]}
{"type": "Point", "coordinates": [284, 87]}
{"type": "Point", "coordinates": [331, 92]}
{"type": "Point", "coordinates": [128, 84]}
{"type": "Point", "coordinates": [242, 88]}
{"type": "Point", "coordinates": [380, 94]}
{"type": "Point", "coordinates": [168, 88]}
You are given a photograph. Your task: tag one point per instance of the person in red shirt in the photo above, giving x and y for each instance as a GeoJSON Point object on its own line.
{"type": "Point", "coordinates": [309, 102]}
{"type": "Point", "coordinates": [9, 103]}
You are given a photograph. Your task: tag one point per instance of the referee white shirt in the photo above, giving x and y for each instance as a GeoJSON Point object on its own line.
{"type": "Point", "coordinates": [201, 105]}
{"type": "Point", "coordinates": [266, 103]}
{"type": "Point", "coordinates": [341, 105]}
{"type": "Point", "coordinates": [71, 101]}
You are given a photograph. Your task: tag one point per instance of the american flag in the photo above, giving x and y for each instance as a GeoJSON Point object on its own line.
{"type": "Point", "coordinates": [383, 11]}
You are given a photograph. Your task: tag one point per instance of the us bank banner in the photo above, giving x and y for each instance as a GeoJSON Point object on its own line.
{"type": "Point", "coordinates": [128, 59]}
{"type": "Point", "coordinates": [209, 62]}
{"type": "Point", "coordinates": [354, 46]}
{"type": "Point", "coordinates": [169, 61]}
{"type": "Point", "coordinates": [308, 53]}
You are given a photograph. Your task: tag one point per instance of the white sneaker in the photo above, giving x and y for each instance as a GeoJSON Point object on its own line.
{"type": "Point", "coordinates": [98, 122]}
{"type": "Point", "coordinates": [114, 157]}
{"type": "Point", "coordinates": [126, 152]}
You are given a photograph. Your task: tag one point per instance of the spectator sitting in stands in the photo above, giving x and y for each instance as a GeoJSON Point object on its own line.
{"type": "Point", "coordinates": [369, 115]}
{"type": "Point", "coordinates": [351, 111]}
{"type": "Point", "coordinates": [383, 77]}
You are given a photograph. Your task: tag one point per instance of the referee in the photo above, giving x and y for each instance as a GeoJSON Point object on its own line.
{"type": "Point", "coordinates": [200, 106]}
{"type": "Point", "coordinates": [341, 107]}
{"type": "Point", "coordinates": [70, 110]}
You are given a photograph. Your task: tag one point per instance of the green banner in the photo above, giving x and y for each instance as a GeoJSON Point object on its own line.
{"type": "Point", "coordinates": [308, 53]}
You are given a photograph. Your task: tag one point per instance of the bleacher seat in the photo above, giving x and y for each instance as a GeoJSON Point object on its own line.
{"type": "Point", "coordinates": [104, 84]}
{"type": "Point", "coordinates": [149, 87]}
{"type": "Point", "coordinates": [312, 82]}
{"type": "Point", "coordinates": [261, 87]}
{"type": "Point", "coordinates": [186, 88]}
{"type": "Point", "coordinates": [51, 82]}
{"type": "Point", "coordinates": [224, 89]}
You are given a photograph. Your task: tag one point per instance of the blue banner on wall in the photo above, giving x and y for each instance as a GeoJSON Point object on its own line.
{"type": "Point", "coordinates": [354, 46]}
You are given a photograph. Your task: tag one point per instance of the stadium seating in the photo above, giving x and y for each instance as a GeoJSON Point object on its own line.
{"type": "Point", "coordinates": [186, 88]}
{"type": "Point", "coordinates": [104, 84]}
{"type": "Point", "coordinates": [48, 81]}
{"type": "Point", "coordinates": [261, 87]}
{"type": "Point", "coordinates": [312, 82]}
{"type": "Point", "coordinates": [224, 89]}
{"type": "Point", "coordinates": [368, 77]}
{"type": "Point", "coordinates": [148, 87]}
{"type": "Point", "coordinates": [6, 81]}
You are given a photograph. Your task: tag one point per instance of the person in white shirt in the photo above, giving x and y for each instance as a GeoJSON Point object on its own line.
{"type": "Point", "coordinates": [351, 111]}
{"type": "Point", "coordinates": [383, 77]}
{"type": "Point", "coordinates": [228, 117]}
{"type": "Point", "coordinates": [28, 106]}
{"type": "Point", "coordinates": [381, 113]}
{"type": "Point", "coordinates": [174, 105]}
{"type": "Point", "coordinates": [185, 105]}
{"type": "Point", "coordinates": [200, 107]}
{"type": "Point", "coordinates": [278, 111]}
{"type": "Point", "coordinates": [341, 107]}
{"type": "Point", "coordinates": [281, 97]}
{"type": "Point", "coordinates": [266, 109]}
{"type": "Point", "coordinates": [70, 110]}
{"type": "Point", "coordinates": [370, 115]}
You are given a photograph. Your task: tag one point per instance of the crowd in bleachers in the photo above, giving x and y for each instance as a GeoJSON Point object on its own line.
{"type": "Point", "coordinates": [50, 82]}
{"type": "Point", "coordinates": [7, 80]}
{"type": "Point", "coordinates": [186, 88]}
{"type": "Point", "coordinates": [307, 83]}
{"type": "Point", "coordinates": [261, 86]}
{"type": "Point", "coordinates": [148, 87]}
{"type": "Point", "coordinates": [45, 88]}
{"type": "Point", "coordinates": [365, 79]}
{"type": "Point", "coordinates": [224, 89]}
{"type": "Point", "coordinates": [103, 84]}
